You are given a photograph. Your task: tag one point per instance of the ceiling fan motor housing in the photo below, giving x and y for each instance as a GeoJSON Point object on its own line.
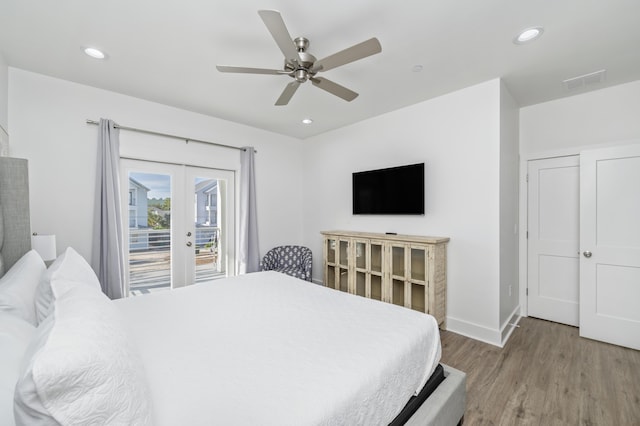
{"type": "Point", "coordinates": [305, 63]}
{"type": "Point", "coordinates": [301, 75]}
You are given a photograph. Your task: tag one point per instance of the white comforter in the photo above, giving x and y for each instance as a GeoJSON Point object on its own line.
{"type": "Point", "coordinates": [268, 349]}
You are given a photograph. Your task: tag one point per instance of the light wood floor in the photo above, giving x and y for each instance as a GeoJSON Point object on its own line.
{"type": "Point", "coordinates": [546, 375]}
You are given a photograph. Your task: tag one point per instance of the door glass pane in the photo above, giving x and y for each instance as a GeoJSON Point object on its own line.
{"type": "Point", "coordinates": [344, 280]}
{"type": "Point", "coordinates": [376, 287]}
{"type": "Point", "coordinates": [331, 277]}
{"type": "Point", "coordinates": [376, 257]}
{"type": "Point", "coordinates": [360, 284]}
{"type": "Point", "coordinates": [331, 250]}
{"type": "Point", "coordinates": [361, 255]}
{"type": "Point", "coordinates": [418, 262]}
{"type": "Point", "coordinates": [208, 210]}
{"type": "Point", "coordinates": [417, 297]}
{"type": "Point", "coordinates": [397, 261]}
{"type": "Point", "coordinates": [149, 218]}
{"type": "Point", "coordinates": [344, 247]}
{"type": "Point", "coordinates": [397, 296]}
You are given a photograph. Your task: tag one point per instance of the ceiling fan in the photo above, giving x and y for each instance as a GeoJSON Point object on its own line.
{"type": "Point", "coordinates": [301, 65]}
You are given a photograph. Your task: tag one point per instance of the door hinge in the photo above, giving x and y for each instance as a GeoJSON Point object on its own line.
{"type": "Point", "coordinates": [527, 291]}
{"type": "Point", "coordinates": [527, 235]}
{"type": "Point", "coordinates": [527, 177]}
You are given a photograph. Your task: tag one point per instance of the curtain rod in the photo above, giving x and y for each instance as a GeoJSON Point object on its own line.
{"type": "Point", "coordinates": [187, 140]}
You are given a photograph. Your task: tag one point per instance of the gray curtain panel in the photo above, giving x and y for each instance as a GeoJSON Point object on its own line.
{"type": "Point", "coordinates": [248, 254]}
{"type": "Point", "coordinates": [108, 248]}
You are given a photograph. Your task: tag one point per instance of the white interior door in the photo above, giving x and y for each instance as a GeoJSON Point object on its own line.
{"type": "Point", "coordinates": [553, 242]}
{"type": "Point", "coordinates": [610, 245]}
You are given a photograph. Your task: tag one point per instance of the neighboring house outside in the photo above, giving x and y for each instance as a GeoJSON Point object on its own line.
{"type": "Point", "coordinates": [138, 215]}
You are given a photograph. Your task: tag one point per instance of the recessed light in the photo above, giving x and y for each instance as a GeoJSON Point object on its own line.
{"type": "Point", "coordinates": [417, 68]}
{"type": "Point", "coordinates": [94, 53]}
{"type": "Point", "coordinates": [307, 121]}
{"type": "Point", "coordinates": [528, 35]}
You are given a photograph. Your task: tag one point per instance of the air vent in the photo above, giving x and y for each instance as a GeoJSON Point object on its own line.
{"type": "Point", "coordinates": [585, 80]}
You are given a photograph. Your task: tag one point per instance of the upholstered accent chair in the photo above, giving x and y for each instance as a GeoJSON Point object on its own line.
{"type": "Point", "coordinates": [291, 260]}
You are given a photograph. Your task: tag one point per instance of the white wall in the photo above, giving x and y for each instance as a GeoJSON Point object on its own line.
{"type": "Point", "coordinates": [47, 118]}
{"type": "Point", "coordinates": [509, 288]}
{"type": "Point", "coordinates": [304, 187]}
{"type": "Point", "coordinates": [593, 118]}
{"type": "Point", "coordinates": [4, 93]}
{"type": "Point", "coordinates": [458, 138]}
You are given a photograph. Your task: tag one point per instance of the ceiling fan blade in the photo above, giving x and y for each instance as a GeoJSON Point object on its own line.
{"type": "Point", "coordinates": [275, 24]}
{"type": "Point", "coordinates": [334, 88]}
{"type": "Point", "coordinates": [350, 54]}
{"type": "Point", "coordinates": [287, 94]}
{"type": "Point", "coordinates": [246, 70]}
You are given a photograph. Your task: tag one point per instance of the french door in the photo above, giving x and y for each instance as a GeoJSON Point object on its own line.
{"type": "Point", "coordinates": [179, 224]}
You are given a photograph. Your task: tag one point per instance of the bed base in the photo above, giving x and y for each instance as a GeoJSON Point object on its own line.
{"type": "Point", "coordinates": [446, 405]}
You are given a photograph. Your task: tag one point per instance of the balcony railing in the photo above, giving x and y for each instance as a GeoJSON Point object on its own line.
{"type": "Point", "coordinates": [150, 258]}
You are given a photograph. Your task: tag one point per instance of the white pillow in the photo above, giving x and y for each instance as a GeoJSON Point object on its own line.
{"type": "Point", "coordinates": [15, 335]}
{"type": "Point", "coordinates": [69, 266]}
{"type": "Point", "coordinates": [82, 368]}
{"type": "Point", "coordinates": [18, 286]}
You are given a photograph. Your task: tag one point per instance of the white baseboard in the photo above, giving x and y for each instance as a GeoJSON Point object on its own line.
{"type": "Point", "coordinates": [475, 331]}
{"type": "Point", "coordinates": [488, 335]}
{"type": "Point", "coordinates": [510, 325]}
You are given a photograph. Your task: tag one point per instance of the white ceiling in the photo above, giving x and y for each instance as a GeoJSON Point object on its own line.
{"type": "Point", "coordinates": [166, 51]}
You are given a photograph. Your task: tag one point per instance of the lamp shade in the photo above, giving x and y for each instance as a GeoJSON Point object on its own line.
{"type": "Point", "coordinates": [45, 245]}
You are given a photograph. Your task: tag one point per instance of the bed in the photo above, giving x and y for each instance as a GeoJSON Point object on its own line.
{"type": "Point", "coordinates": [261, 348]}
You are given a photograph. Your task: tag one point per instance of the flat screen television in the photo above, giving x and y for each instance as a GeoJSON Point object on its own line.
{"type": "Point", "coordinates": [395, 190]}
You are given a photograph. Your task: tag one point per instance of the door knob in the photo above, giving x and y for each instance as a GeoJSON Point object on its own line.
{"type": "Point", "coordinates": [188, 243]}
{"type": "Point", "coordinates": [587, 253]}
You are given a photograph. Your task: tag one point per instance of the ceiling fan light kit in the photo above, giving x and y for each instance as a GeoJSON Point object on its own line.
{"type": "Point", "coordinates": [303, 66]}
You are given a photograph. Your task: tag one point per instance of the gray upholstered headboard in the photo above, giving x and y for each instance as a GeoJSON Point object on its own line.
{"type": "Point", "coordinates": [15, 226]}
